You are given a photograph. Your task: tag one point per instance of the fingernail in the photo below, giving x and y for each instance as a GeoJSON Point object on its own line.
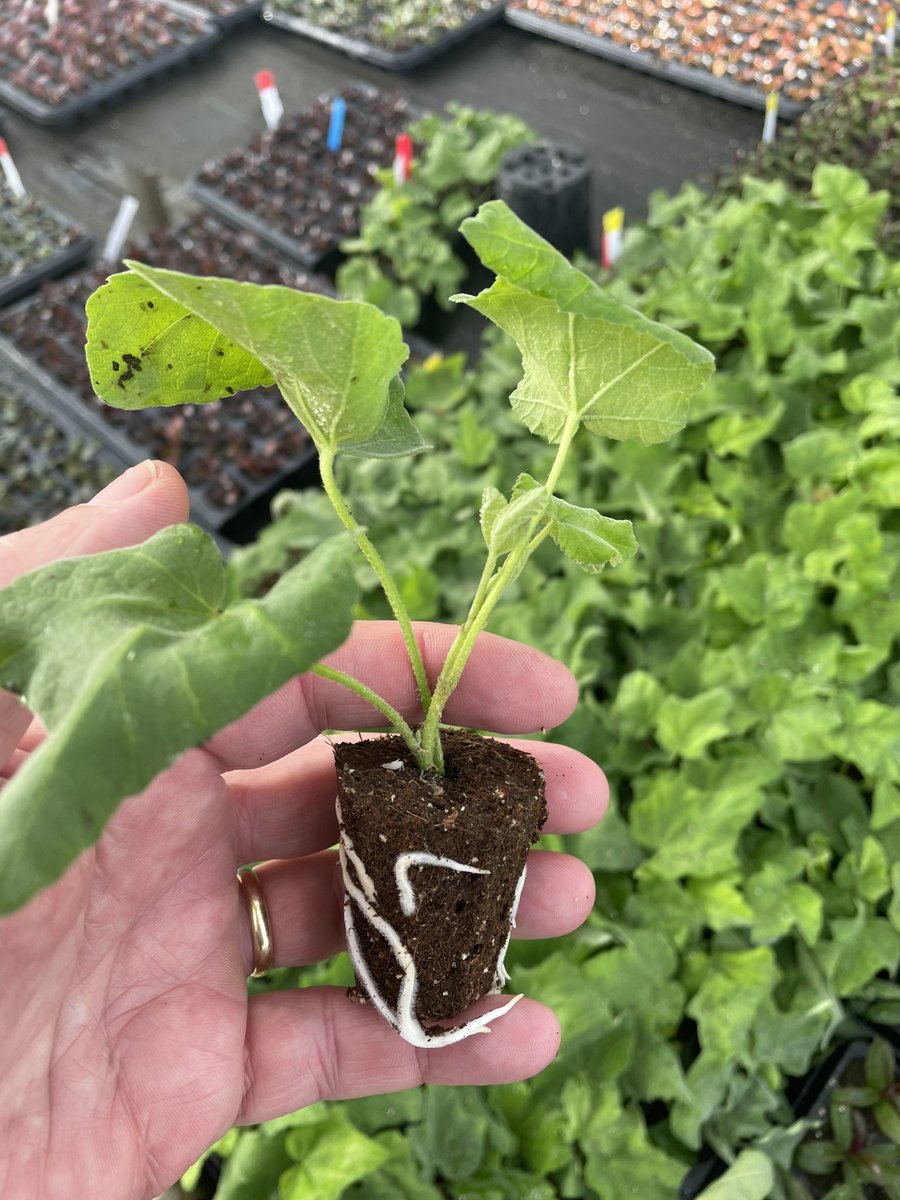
{"type": "Point", "coordinates": [133, 481]}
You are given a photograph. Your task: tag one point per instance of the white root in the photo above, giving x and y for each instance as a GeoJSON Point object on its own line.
{"type": "Point", "coordinates": [421, 858]}
{"type": "Point", "coordinates": [404, 1020]}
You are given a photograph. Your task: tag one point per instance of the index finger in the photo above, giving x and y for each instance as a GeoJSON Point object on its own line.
{"type": "Point", "coordinates": [506, 687]}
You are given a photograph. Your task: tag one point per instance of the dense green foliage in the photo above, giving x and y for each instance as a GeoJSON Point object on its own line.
{"type": "Point", "coordinates": [407, 250]}
{"type": "Point", "coordinates": [739, 680]}
{"type": "Point", "coordinates": [858, 126]}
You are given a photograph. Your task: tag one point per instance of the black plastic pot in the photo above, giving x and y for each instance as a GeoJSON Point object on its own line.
{"type": "Point", "coordinates": [549, 187]}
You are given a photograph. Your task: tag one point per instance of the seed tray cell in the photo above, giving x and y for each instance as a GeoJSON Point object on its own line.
{"type": "Point", "coordinates": [295, 194]}
{"type": "Point", "coordinates": [36, 244]}
{"type": "Point", "coordinates": [364, 31]}
{"type": "Point", "coordinates": [739, 52]}
{"type": "Point", "coordinates": [95, 52]}
{"type": "Point", "coordinates": [232, 453]}
{"type": "Point", "coordinates": [46, 462]}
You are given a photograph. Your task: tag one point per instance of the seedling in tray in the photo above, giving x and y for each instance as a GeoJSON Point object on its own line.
{"type": "Point", "coordinates": [394, 27]}
{"type": "Point", "coordinates": [436, 824]}
{"type": "Point", "coordinates": [90, 44]}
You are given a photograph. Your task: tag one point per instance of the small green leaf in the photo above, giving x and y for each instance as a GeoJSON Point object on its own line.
{"type": "Point", "coordinates": [588, 538]}
{"type": "Point", "coordinates": [750, 1177]}
{"type": "Point", "coordinates": [586, 356]}
{"type": "Point", "coordinates": [686, 727]}
{"type": "Point", "coordinates": [818, 1158]}
{"type": "Point", "coordinates": [510, 525]}
{"type": "Point", "coordinates": [888, 1118]}
{"type": "Point", "coordinates": [330, 1155]}
{"type": "Point", "coordinates": [880, 1065]}
{"type": "Point", "coordinates": [395, 437]}
{"type": "Point", "coordinates": [131, 649]}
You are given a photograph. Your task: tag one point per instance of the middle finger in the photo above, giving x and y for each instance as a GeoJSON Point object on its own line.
{"type": "Point", "coordinates": [286, 808]}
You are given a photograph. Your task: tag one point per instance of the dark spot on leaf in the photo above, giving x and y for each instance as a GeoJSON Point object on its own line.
{"type": "Point", "coordinates": [150, 304]}
{"type": "Point", "coordinates": [354, 378]}
{"type": "Point", "coordinates": [115, 365]}
{"type": "Point", "coordinates": [134, 364]}
{"type": "Point", "coordinates": [168, 366]}
{"type": "Point", "coordinates": [220, 353]}
{"type": "Point", "coordinates": [230, 391]}
{"type": "Point", "coordinates": [104, 345]}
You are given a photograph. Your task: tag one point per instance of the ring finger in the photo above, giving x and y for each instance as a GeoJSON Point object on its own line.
{"type": "Point", "coordinates": [304, 900]}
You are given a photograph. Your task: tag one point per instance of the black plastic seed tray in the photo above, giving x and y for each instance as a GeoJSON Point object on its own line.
{"type": "Point", "coordinates": [603, 47]}
{"type": "Point", "coordinates": [46, 462]}
{"type": "Point", "coordinates": [191, 37]}
{"type": "Point", "coordinates": [292, 192]}
{"type": "Point", "coordinates": [391, 60]}
{"type": "Point", "coordinates": [55, 245]}
{"type": "Point", "coordinates": [227, 14]}
{"type": "Point", "coordinates": [233, 453]}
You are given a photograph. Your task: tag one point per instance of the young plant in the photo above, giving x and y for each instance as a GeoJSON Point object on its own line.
{"type": "Point", "coordinates": [857, 1154]}
{"type": "Point", "coordinates": [465, 808]}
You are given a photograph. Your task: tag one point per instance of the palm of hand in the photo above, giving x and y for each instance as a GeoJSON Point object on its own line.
{"type": "Point", "coordinates": [128, 1042]}
{"type": "Point", "coordinates": [127, 1062]}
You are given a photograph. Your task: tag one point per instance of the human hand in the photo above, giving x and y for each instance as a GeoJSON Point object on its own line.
{"type": "Point", "coordinates": [129, 1043]}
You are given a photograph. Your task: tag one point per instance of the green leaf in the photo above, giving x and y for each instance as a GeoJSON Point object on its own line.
{"type": "Point", "coordinates": [333, 360]}
{"type": "Point", "coordinates": [130, 649]}
{"type": "Point", "coordinates": [450, 1140]}
{"type": "Point", "coordinates": [330, 1155]}
{"type": "Point", "coordinates": [507, 525]}
{"type": "Point", "coordinates": [729, 998]}
{"type": "Point", "coordinates": [750, 1177]}
{"type": "Point", "coordinates": [865, 871]}
{"type": "Point", "coordinates": [588, 538]}
{"type": "Point", "coordinates": [621, 1161]}
{"type": "Point", "coordinates": [585, 355]}
{"type": "Point", "coordinates": [880, 1065]}
{"type": "Point", "coordinates": [252, 1170]}
{"type": "Point", "coordinates": [395, 437]}
{"type": "Point", "coordinates": [399, 1178]}
{"type": "Point", "coordinates": [687, 727]}
{"type": "Point", "coordinates": [145, 349]}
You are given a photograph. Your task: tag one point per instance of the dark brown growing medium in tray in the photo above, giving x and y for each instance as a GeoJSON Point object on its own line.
{"type": "Point", "coordinates": [484, 813]}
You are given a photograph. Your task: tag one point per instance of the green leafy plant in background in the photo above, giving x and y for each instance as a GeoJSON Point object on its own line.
{"type": "Point", "coordinates": [407, 249]}
{"type": "Point", "coordinates": [739, 686]}
{"type": "Point", "coordinates": [859, 126]}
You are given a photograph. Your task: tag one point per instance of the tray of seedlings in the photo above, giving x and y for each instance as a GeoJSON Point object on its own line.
{"type": "Point", "coordinates": [397, 37]}
{"type": "Point", "coordinates": [36, 244]}
{"type": "Point", "coordinates": [233, 453]}
{"type": "Point", "coordinates": [46, 461]}
{"type": "Point", "coordinates": [60, 59]}
{"type": "Point", "coordinates": [300, 197]}
{"type": "Point", "coordinates": [225, 13]}
{"type": "Point", "coordinates": [739, 52]}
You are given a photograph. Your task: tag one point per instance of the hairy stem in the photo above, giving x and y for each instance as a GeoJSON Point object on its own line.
{"type": "Point", "coordinates": [489, 592]}
{"type": "Point", "coordinates": [386, 710]}
{"type": "Point", "coordinates": [378, 565]}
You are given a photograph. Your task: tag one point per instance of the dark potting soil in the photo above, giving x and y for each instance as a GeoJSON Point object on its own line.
{"type": "Point", "coordinates": [485, 812]}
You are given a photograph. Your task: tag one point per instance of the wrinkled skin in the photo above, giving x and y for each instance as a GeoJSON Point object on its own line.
{"type": "Point", "coordinates": [129, 1044]}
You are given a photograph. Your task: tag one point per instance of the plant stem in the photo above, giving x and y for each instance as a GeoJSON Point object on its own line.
{"type": "Point", "coordinates": [378, 565]}
{"type": "Point", "coordinates": [490, 589]}
{"type": "Point", "coordinates": [387, 710]}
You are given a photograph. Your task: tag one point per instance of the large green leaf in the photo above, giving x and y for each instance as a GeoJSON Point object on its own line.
{"type": "Point", "coordinates": [585, 354]}
{"type": "Point", "coordinates": [130, 658]}
{"type": "Point", "coordinates": [333, 360]}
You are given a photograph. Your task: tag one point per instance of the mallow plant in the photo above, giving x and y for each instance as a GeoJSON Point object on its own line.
{"type": "Point", "coordinates": [124, 655]}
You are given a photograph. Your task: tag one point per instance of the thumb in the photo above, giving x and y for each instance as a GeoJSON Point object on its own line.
{"type": "Point", "coordinates": [145, 499]}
